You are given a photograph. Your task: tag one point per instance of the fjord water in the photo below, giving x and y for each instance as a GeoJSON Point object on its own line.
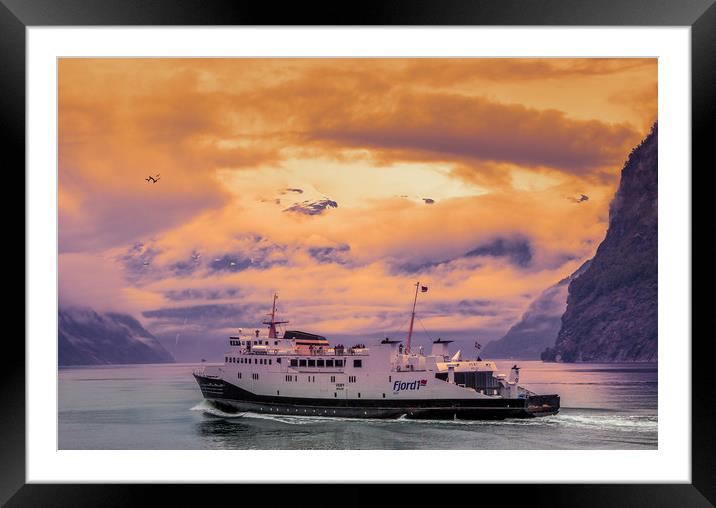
{"type": "Point", "coordinates": [604, 406]}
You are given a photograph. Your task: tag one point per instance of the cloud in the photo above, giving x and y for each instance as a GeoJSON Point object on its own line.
{"type": "Point", "coordinates": [517, 251]}
{"type": "Point", "coordinates": [481, 129]}
{"type": "Point", "coordinates": [214, 316]}
{"type": "Point", "coordinates": [496, 144]}
{"type": "Point", "coordinates": [505, 70]}
{"type": "Point", "coordinates": [189, 119]}
{"type": "Point", "coordinates": [464, 308]}
{"type": "Point", "coordinates": [115, 131]}
{"type": "Point", "coordinates": [98, 281]}
{"type": "Point", "coordinates": [330, 254]}
{"type": "Point", "coordinates": [156, 258]}
{"type": "Point", "coordinates": [642, 101]}
{"type": "Point", "coordinates": [201, 294]}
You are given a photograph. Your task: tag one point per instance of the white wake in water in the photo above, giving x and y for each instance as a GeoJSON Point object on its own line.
{"type": "Point", "coordinates": [617, 422]}
{"type": "Point", "coordinates": [609, 421]}
{"type": "Point", "coordinates": [304, 420]}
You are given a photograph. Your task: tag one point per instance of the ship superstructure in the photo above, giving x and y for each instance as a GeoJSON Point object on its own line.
{"type": "Point", "coordinates": [300, 373]}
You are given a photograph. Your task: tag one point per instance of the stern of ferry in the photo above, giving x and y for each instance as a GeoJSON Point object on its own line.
{"type": "Point", "coordinates": [542, 405]}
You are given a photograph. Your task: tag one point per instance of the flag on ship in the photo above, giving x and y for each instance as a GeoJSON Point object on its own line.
{"type": "Point", "coordinates": [423, 289]}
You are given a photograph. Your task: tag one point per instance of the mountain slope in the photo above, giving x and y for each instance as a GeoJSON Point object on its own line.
{"type": "Point", "coordinates": [538, 327]}
{"type": "Point", "coordinates": [86, 338]}
{"type": "Point", "coordinates": [612, 310]}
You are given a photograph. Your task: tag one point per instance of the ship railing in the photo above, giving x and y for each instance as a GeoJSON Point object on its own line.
{"type": "Point", "coordinates": [203, 373]}
{"type": "Point", "coordinates": [305, 352]}
{"type": "Point", "coordinates": [332, 352]}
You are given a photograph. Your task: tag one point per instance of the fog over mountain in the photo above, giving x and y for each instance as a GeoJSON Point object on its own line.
{"type": "Point", "coordinates": [89, 338]}
{"type": "Point", "coordinates": [538, 327]}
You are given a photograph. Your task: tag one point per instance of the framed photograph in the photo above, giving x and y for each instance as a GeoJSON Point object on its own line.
{"type": "Point", "coordinates": [426, 244]}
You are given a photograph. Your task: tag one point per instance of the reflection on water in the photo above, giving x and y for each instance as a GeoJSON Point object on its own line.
{"type": "Point", "coordinates": [160, 407]}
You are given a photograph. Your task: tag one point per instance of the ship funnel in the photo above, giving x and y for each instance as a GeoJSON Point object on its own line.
{"type": "Point", "coordinates": [440, 347]}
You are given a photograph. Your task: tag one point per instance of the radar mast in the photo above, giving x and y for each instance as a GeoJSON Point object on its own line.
{"type": "Point", "coordinates": [272, 322]}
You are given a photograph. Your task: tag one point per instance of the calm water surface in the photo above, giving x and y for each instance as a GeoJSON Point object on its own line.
{"type": "Point", "coordinates": [604, 406]}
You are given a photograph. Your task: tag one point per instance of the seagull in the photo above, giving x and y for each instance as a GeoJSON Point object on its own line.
{"type": "Point", "coordinates": [153, 179]}
{"type": "Point", "coordinates": [582, 198]}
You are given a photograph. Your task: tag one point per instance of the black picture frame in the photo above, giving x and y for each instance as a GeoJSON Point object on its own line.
{"type": "Point", "coordinates": [17, 15]}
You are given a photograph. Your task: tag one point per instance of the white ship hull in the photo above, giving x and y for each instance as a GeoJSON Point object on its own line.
{"type": "Point", "coordinates": [229, 397]}
{"type": "Point", "coordinates": [302, 374]}
{"type": "Point", "coordinates": [274, 389]}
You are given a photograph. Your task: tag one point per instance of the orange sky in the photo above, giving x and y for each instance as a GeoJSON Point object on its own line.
{"type": "Point", "coordinates": [501, 149]}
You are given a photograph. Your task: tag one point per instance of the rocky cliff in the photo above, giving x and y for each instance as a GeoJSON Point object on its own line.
{"type": "Point", "coordinates": [87, 337]}
{"type": "Point", "coordinates": [538, 327]}
{"type": "Point", "coordinates": [611, 311]}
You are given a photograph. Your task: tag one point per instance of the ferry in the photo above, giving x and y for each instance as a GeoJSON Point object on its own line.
{"type": "Point", "coordinates": [302, 374]}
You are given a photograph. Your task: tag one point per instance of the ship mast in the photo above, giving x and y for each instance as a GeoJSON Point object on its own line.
{"type": "Point", "coordinates": [412, 318]}
{"type": "Point", "coordinates": [272, 322]}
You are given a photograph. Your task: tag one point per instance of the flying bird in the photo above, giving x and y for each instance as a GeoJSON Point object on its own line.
{"type": "Point", "coordinates": [580, 199]}
{"type": "Point", "coordinates": [429, 201]}
{"type": "Point", "coordinates": [153, 179]}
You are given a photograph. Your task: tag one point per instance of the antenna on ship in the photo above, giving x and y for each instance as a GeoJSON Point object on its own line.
{"type": "Point", "coordinates": [423, 289]}
{"type": "Point", "coordinates": [272, 322]}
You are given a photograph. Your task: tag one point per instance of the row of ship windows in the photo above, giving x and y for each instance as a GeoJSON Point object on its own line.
{"type": "Point", "coordinates": [311, 379]}
{"type": "Point", "coordinates": [295, 362]}
{"type": "Point", "coordinates": [261, 361]}
{"type": "Point", "coordinates": [255, 342]}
